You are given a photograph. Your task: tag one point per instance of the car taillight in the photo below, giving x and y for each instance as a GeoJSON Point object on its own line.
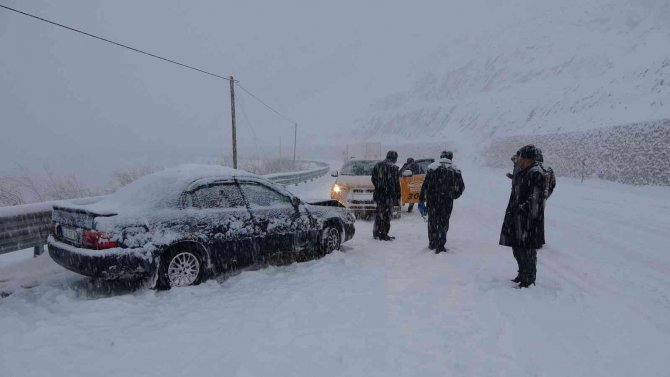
{"type": "Point", "coordinates": [93, 239]}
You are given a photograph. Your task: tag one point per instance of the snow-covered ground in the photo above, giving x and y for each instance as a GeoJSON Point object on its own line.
{"type": "Point", "coordinates": [17, 256]}
{"type": "Point", "coordinates": [601, 306]}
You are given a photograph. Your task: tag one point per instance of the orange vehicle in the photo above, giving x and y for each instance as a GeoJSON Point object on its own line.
{"type": "Point", "coordinates": [410, 184]}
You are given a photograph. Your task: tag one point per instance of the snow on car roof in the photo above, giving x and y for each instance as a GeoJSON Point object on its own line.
{"type": "Point", "coordinates": [161, 189]}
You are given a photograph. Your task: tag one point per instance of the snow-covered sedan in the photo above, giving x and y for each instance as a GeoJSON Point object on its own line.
{"type": "Point", "coordinates": [181, 225]}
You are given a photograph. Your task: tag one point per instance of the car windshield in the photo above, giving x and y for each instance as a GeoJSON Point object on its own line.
{"type": "Point", "coordinates": [358, 167]}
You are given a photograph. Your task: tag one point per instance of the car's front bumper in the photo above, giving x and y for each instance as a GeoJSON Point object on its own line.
{"type": "Point", "coordinates": [106, 264]}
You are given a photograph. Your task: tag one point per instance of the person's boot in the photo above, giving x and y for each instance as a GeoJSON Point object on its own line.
{"type": "Point", "coordinates": [524, 284]}
{"type": "Point", "coordinates": [431, 247]}
{"type": "Point", "coordinates": [517, 279]}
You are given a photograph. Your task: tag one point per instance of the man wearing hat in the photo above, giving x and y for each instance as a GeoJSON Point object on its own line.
{"type": "Point", "coordinates": [523, 227]}
{"type": "Point", "coordinates": [443, 184]}
{"type": "Point", "coordinates": [386, 179]}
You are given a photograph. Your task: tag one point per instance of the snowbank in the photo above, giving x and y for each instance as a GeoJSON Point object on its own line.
{"type": "Point", "coordinates": [636, 154]}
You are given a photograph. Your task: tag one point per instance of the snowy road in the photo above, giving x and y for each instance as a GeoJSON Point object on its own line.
{"type": "Point", "coordinates": [601, 306]}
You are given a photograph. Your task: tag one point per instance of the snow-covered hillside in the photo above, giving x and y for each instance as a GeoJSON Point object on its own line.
{"type": "Point", "coordinates": [601, 306]}
{"type": "Point", "coordinates": [541, 66]}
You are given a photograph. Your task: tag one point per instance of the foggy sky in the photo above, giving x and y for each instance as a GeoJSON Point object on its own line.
{"type": "Point", "coordinates": [71, 101]}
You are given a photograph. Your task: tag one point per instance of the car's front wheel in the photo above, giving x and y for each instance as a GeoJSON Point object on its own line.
{"type": "Point", "coordinates": [331, 239]}
{"type": "Point", "coordinates": [180, 267]}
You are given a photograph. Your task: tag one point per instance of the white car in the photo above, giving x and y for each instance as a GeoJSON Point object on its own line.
{"type": "Point", "coordinates": [353, 188]}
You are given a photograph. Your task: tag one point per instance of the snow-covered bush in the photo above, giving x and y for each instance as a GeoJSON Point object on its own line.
{"type": "Point", "coordinates": [27, 186]}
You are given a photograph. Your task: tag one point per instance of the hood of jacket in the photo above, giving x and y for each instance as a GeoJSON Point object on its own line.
{"type": "Point", "coordinates": [441, 162]}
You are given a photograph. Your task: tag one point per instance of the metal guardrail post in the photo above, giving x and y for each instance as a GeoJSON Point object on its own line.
{"type": "Point", "coordinates": [38, 250]}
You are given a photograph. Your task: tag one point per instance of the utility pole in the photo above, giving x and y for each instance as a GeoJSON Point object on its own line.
{"type": "Point", "coordinates": [232, 117]}
{"type": "Point", "coordinates": [295, 139]}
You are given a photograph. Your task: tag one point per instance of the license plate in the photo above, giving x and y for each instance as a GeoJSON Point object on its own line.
{"type": "Point", "coordinates": [356, 196]}
{"type": "Point", "coordinates": [72, 235]}
{"type": "Point", "coordinates": [415, 186]}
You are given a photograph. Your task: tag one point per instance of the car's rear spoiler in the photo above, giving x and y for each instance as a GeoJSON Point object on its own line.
{"type": "Point", "coordinates": [76, 217]}
{"type": "Point", "coordinates": [76, 209]}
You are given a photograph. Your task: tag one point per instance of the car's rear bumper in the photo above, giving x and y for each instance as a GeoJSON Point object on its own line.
{"type": "Point", "coordinates": [106, 264]}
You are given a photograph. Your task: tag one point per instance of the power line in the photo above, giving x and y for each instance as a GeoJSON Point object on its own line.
{"type": "Point", "coordinates": [265, 104]}
{"type": "Point", "coordinates": [116, 43]}
{"type": "Point", "coordinates": [251, 127]}
{"type": "Point", "coordinates": [154, 56]}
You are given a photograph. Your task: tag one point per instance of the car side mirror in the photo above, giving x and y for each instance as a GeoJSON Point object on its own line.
{"type": "Point", "coordinates": [407, 173]}
{"type": "Point", "coordinates": [296, 201]}
{"type": "Point", "coordinates": [334, 173]}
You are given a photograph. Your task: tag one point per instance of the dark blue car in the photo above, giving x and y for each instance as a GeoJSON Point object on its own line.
{"type": "Point", "coordinates": [182, 225]}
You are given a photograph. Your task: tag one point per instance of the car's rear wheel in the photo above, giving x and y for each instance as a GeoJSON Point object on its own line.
{"type": "Point", "coordinates": [180, 267]}
{"type": "Point", "coordinates": [331, 239]}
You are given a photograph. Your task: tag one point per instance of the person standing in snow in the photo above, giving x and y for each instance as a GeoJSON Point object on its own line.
{"type": "Point", "coordinates": [412, 166]}
{"type": "Point", "coordinates": [415, 168]}
{"type": "Point", "coordinates": [386, 179]}
{"type": "Point", "coordinates": [443, 184]}
{"type": "Point", "coordinates": [523, 226]}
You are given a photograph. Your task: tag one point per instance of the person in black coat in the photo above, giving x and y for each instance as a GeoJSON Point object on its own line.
{"type": "Point", "coordinates": [415, 168]}
{"type": "Point", "coordinates": [523, 226]}
{"type": "Point", "coordinates": [412, 166]}
{"type": "Point", "coordinates": [443, 184]}
{"type": "Point", "coordinates": [386, 179]}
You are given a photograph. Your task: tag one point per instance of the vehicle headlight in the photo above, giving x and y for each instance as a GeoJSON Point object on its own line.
{"type": "Point", "coordinates": [337, 188]}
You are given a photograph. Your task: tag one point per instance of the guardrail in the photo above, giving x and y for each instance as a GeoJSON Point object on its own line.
{"type": "Point", "coordinates": [321, 168]}
{"type": "Point", "coordinates": [26, 226]}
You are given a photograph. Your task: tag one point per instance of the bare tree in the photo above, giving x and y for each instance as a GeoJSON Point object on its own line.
{"type": "Point", "coordinates": [25, 186]}
{"type": "Point", "coordinates": [10, 192]}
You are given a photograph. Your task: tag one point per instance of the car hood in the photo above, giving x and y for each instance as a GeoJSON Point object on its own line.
{"type": "Point", "coordinates": [355, 181]}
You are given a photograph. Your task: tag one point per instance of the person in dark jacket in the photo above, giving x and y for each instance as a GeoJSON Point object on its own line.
{"type": "Point", "coordinates": [443, 184]}
{"type": "Point", "coordinates": [412, 166]}
{"type": "Point", "coordinates": [415, 168]}
{"type": "Point", "coordinates": [386, 179]}
{"type": "Point", "coordinates": [523, 227]}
